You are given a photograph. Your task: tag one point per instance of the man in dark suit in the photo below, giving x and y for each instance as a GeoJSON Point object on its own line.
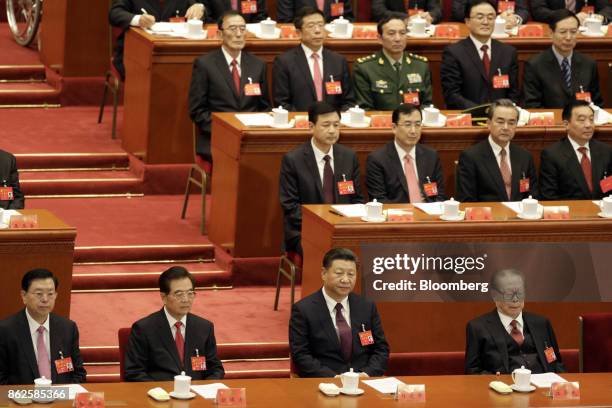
{"type": "Point", "coordinates": [11, 197]}
{"type": "Point", "coordinates": [226, 80]}
{"type": "Point", "coordinates": [36, 343]}
{"type": "Point", "coordinates": [286, 10]}
{"type": "Point", "coordinates": [126, 13]}
{"type": "Point", "coordinates": [478, 69]}
{"type": "Point", "coordinates": [559, 74]}
{"type": "Point", "coordinates": [544, 10]}
{"type": "Point", "coordinates": [319, 171]}
{"type": "Point", "coordinates": [572, 168]}
{"type": "Point", "coordinates": [495, 169]}
{"type": "Point", "coordinates": [404, 171]}
{"type": "Point", "coordinates": [173, 340]}
{"type": "Point", "coordinates": [308, 72]}
{"type": "Point", "coordinates": [426, 9]}
{"type": "Point", "coordinates": [216, 8]}
{"type": "Point", "coordinates": [513, 16]}
{"type": "Point", "coordinates": [509, 338]}
{"type": "Point", "coordinates": [324, 327]}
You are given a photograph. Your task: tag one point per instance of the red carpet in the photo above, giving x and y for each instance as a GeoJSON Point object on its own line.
{"type": "Point", "coordinates": [13, 53]}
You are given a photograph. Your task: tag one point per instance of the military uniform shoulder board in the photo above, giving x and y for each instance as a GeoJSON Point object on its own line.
{"type": "Point", "coordinates": [366, 58]}
{"type": "Point", "coordinates": [419, 57]}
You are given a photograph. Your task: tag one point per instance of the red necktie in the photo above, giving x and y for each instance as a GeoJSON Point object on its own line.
{"type": "Point", "coordinates": [236, 76]}
{"type": "Point", "coordinates": [585, 163]}
{"type": "Point", "coordinates": [42, 358]}
{"type": "Point", "coordinates": [414, 190]}
{"type": "Point", "coordinates": [506, 172]}
{"type": "Point", "coordinates": [180, 342]}
{"type": "Point", "coordinates": [321, 4]}
{"type": "Point", "coordinates": [235, 5]}
{"type": "Point", "coordinates": [345, 334]}
{"type": "Point", "coordinates": [516, 333]}
{"type": "Point", "coordinates": [485, 59]}
{"type": "Point", "coordinates": [162, 3]}
{"type": "Point", "coordinates": [328, 181]}
{"type": "Point", "coordinates": [318, 80]}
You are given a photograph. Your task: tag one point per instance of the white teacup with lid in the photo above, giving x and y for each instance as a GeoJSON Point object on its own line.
{"type": "Point", "coordinates": [280, 116]}
{"type": "Point", "coordinates": [417, 25]}
{"type": "Point", "coordinates": [182, 383]}
{"type": "Point", "coordinates": [593, 25]}
{"type": "Point", "coordinates": [606, 206]}
{"type": "Point", "coordinates": [500, 26]}
{"type": "Point", "coordinates": [350, 380]}
{"type": "Point", "coordinates": [374, 210]}
{"type": "Point", "coordinates": [431, 115]}
{"type": "Point", "coordinates": [341, 26]}
{"type": "Point", "coordinates": [450, 208]}
{"type": "Point", "coordinates": [522, 378]}
{"type": "Point", "coordinates": [267, 27]}
{"type": "Point", "coordinates": [529, 207]}
{"type": "Point", "coordinates": [356, 115]}
{"type": "Point", "coordinates": [194, 28]}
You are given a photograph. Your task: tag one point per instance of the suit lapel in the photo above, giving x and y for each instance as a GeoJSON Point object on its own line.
{"type": "Point", "coordinates": [55, 341]}
{"type": "Point", "coordinates": [574, 166]}
{"type": "Point", "coordinates": [165, 336]}
{"type": "Point", "coordinates": [338, 171]}
{"type": "Point", "coordinates": [474, 56]}
{"type": "Point", "coordinates": [498, 333]}
{"type": "Point", "coordinates": [311, 164]}
{"type": "Point", "coordinates": [356, 322]}
{"type": "Point", "coordinates": [226, 74]}
{"type": "Point", "coordinates": [326, 320]}
{"type": "Point", "coordinates": [396, 165]}
{"type": "Point", "coordinates": [597, 165]}
{"type": "Point", "coordinates": [490, 162]}
{"type": "Point", "coordinates": [190, 342]}
{"type": "Point", "coordinates": [302, 64]}
{"type": "Point", "coordinates": [535, 335]}
{"type": "Point", "coordinates": [28, 347]}
{"type": "Point", "coordinates": [515, 165]}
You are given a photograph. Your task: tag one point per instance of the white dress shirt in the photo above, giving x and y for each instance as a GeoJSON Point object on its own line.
{"type": "Point", "coordinates": [310, 61]}
{"type": "Point", "coordinates": [479, 45]}
{"type": "Point", "coordinates": [497, 152]}
{"type": "Point", "coordinates": [34, 325]}
{"type": "Point", "coordinates": [319, 155]}
{"type": "Point", "coordinates": [229, 59]}
{"type": "Point", "coordinates": [331, 305]}
{"type": "Point", "coordinates": [402, 154]}
{"type": "Point", "coordinates": [172, 321]}
{"type": "Point", "coordinates": [506, 320]}
{"type": "Point", "coordinates": [576, 146]}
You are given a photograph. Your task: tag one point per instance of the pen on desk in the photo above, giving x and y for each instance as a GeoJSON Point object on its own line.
{"type": "Point", "coordinates": [144, 12]}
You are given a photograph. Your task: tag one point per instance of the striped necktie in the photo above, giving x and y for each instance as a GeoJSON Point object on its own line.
{"type": "Point", "coordinates": [567, 74]}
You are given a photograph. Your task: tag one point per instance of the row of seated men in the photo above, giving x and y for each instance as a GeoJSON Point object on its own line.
{"type": "Point", "coordinates": [405, 171]}
{"type": "Point", "coordinates": [324, 332]}
{"type": "Point", "coordinates": [474, 71]}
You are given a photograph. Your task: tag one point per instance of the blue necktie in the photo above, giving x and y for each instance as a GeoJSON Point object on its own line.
{"type": "Point", "coordinates": [567, 75]}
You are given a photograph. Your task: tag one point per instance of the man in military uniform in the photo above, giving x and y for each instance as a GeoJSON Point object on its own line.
{"type": "Point", "coordinates": [390, 77]}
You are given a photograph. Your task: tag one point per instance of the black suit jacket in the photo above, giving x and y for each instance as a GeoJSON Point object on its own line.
{"type": "Point", "coordinates": [152, 353]}
{"type": "Point", "coordinates": [17, 358]}
{"type": "Point", "coordinates": [123, 11]}
{"type": "Point", "coordinates": [458, 9]}
{"type": "Point", "coordinates": [300, 183]}
{"type": "Point", "coordinates": [9, 177]}
{"type": "Point", "coordinates": [212, 90]}
{"type": "Point", "coordinates": [314, 343]}
{"type": "Point", "coordinates": [543, 10]}
{"type": "Point", "coordinates": [287, 9]}
{"type": "Point", "coordinates": [486, 351]}
{"type": "Point", "coordinates": [561, 176]}
{"type": "Point", "coordinates": [479, 177]}
{"type": "Point", "coordinates": [464, 82]}
{"type": "Point", "coordinates": [293, 87]}
{"type": "Point", "coordinates": [216, 8]}
{"type": "Point", "coordinates": [396, 8]}
{"type": "Point", "coordinates": [385, 177]}
{"type": "Point", "coordinates": [543, 84]}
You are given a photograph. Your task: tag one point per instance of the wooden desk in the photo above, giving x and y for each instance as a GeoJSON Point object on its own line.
{"type": "Point", "coordinates": [50, 246]}
{"type": "Point", "coordinates": [441, 326]}
{"type": "Point", "coordinates": [441, 391]}
{"type": "Point", "coordinates": [156, 123]}
{"type": "Point", "coordinates": [246, 217]}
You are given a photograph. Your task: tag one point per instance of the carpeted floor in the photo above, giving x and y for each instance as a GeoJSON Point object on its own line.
{"type": "Point", "coordinates": [12, 53]}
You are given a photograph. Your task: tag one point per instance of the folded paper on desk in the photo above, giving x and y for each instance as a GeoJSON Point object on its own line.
{"type": "Point", "coordinates": [208, 391]}
{"type": "Point", "coordinates": [514, 206]}
{"type": "Point", "coordinates": [254, 119]}
{"type": "Point", "coordinates": [546, 379]}
{"type": "Point", "coordinates": [349, 210]}
{"type": "Point", "coordinates": [73, 389]}
{"type": "Point", "coordinates": [430, 208]}
{"type": "Point", "coordinates": [384, 385]}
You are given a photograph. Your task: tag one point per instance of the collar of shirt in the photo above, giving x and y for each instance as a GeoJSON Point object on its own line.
{"type": "Point", "coordinates": [391, 60]}
{"type": "Point", "coordinates": [34, 325]}
{"type": "Point", "coordinates": [331, 305]}
{"type": "Point", "coordinates": [479, 45]}
{"type": "Point", "coordinates": [506, 320]}
{"type": "Point", "coordinates": [560, 57]}
{"type": "Point", "coordinates": [173, 321]}
{"type": "Point", "coordinates": [229, 58]}
{"type": "Point", "coordinates": [319, 155]}
{"type": "Point", "coordinates": [576, 146]}
{"type": "Point", "coordinates": [497, 150]}
{"type": "Point", "coordinates": [309, 53]}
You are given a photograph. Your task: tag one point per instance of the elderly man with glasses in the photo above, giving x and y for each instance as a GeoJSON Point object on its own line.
{"type": "Point", "coordinates": [507, 338]}
{"type": "Point", "coordinates": [172, 339]}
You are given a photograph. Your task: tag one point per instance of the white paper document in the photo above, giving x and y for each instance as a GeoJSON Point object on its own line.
{"type": "Point", "coordinates": [546, 379]}
{"type": "Point", "coordinates": [254, 119]}
{"type": "Point", "coordinates": [349, 210]}
{"type": "Point", "coordinates": [73, 389]}
{"type": "Point", "coordinates": [514, 206]}
{"type": "Point", "coordinates": [384, 385]}
{"type": "Point", "coordinates": [208, 391]}
{"type": "Point", "coordinates": [5, 217]}
{"type": "Point", "coordinates": [430, 208]}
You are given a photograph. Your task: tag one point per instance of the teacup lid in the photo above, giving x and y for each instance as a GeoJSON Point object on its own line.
{"type": "Point", "coordinates": [268, 21]}
{"type": "Point", "coordinates": [182, 376]}
{"type": "Point", "coordinates": [42, 380]}
{"type": "Point", "coordinates": [351, 373]}
{"type": "Point", "coordinates": [522, 370]}
{"type": "Point", "coordinates": [356, 108]}
{"type": "Point", "coordinates": [374, 202]}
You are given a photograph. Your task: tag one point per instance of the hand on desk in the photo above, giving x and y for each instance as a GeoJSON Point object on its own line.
{"type": "Point", "coordinates": [195, 12]}
{"type": "Point", "coordinates": [146, 21]}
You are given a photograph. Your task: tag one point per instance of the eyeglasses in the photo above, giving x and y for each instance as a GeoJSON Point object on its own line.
{"type": "Point", "coordinates": [483, 17]}
{"type": "Point", "coordinates": [182, 294]}
{"type": "Point", "coordinates": [414, 125]}
{"type": "Point", "coordinates": [41, 295]}
{"type": "Point", "coordinates": [514, 296]}
{"type": "Point", "coordinates": [235, 28]}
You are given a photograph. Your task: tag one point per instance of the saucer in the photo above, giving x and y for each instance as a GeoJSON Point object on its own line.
{"type": "Point", "coordinates": [440, 123]}
{"type": "Point", "coordinates": [424, 35]}
{"type": "Point", "coordinates": [276, 35]}
{"type": "Point", "coordinates": [3, 226]}
{"type": "Point", "coordinates": [358, 391]}
{"type": "Point", "coordinates": [504, 35]}
{"type": "Point", "coordinates": [366, 219]}
{"type": "Point", "coordinates": [43, 400]}
{"type": "Point", "coordinates": [201, 36]}
{"type": "Point", "coordinates": [601, 214]}
{"type": "Point", "coordinates": [519, 389]}
{"type": "Point", "coordinates": [332, 34]}
{"type": "Point", "coordinates": [357, 125]}
{"type": "Point", "coordinates": [460, 217]}
{"type": "Point", "coordinates": [530, 217]}
{"type": "Point", "coordinates": [182, 396]}
{"type": "Point", "coordinates": [587, 34]}
{"type": "Point", "coordinates": [287, 125]}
